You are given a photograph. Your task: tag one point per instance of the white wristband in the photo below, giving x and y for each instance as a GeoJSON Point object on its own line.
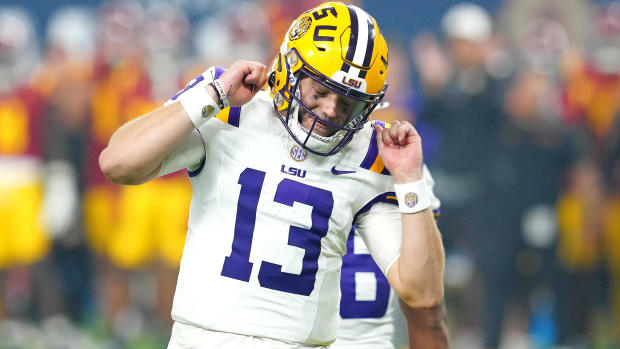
{"type": "Point", "coordinates": [198, 104]}
{"type": "Point", "coordinates": [412, 197]}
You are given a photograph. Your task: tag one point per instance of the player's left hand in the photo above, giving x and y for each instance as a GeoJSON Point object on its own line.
{"type": "Point", "coordinates": [400, 148]}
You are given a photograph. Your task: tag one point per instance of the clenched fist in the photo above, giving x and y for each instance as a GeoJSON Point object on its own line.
{"type": "Point", "coordinates": [242, 80]}
{"type": "Point", "coordinates": [400, 148]}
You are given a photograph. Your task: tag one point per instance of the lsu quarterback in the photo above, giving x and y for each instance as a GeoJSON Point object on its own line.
{"type": "Point", "coordinates": [279, 177]}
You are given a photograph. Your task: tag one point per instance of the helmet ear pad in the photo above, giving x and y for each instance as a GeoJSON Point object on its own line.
{"type": "Point", "coordinates": [271, 80]}
{"type": "Point", "coordinates": [286, 67]}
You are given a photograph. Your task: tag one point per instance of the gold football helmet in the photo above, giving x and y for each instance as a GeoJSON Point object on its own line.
{"type": "Point", "coordinates": [339, 46]}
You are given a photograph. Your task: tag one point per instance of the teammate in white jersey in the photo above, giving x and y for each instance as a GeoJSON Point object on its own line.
{"type": "Point", "coordinates": [367, 308]}
{"type": "Point", "coordinates": [278, 180]}
{"type": "Point", "coordinates": [367, 303]}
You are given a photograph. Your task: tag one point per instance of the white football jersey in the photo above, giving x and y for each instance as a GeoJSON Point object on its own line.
{"type": "Point", "coordinates": [268, 226]}
{"type": "Point", "coordinates": [367, 303]}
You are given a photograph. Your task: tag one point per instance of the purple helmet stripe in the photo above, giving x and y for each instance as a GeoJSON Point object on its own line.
{"type": "Point", "coordinates": [352, 39]}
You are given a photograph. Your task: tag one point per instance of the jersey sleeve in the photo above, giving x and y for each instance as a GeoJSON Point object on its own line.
{"type": "Point", "coordinates": [189, 154]}
{"type": "Point", "coordinates": [200, 81]}
{"type": "Point", "coordinates": [381, 229]}
{"type": "Point", "coordinates": [380, 225]}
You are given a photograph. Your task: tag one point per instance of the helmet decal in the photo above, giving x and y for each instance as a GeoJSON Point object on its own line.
{"type": "Point", "coordinates": [300, 28]}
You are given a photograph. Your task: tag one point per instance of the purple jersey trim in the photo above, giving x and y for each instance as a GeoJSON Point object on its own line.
{"type": "Point", "coordinates": [380, 198]}
{"type": "Point", "coordinates": [198, 79]}
{"type": "Point", "coordinates": [234, 116]}
{"type": "Point", "coordinates": [218, 72]}
{"type": "Point", "coordinates": [196, 172]}
{"type": "Point", "coordinates": [373, 150]}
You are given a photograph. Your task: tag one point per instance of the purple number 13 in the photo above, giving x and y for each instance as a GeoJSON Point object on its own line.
{"type": "Point", "coordinates": [270, 275]}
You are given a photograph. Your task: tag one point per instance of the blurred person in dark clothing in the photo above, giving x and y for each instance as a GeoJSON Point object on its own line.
{"type": "Point", "coordinates": [501, 164]}
{"type": "Point", "coordinates": [463, 106]}
{"type": "Point", "coordinates": [611, 226]}
{"type": "Point", "coordinates": [542, 153]}
{"type": "Point", "coordinates": [66, 78]}
{"type": "Point", "coordinates": [463, 103]}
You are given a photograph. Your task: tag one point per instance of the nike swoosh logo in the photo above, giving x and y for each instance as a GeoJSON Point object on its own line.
{"type": "Point", "coordinates": [337, 172]}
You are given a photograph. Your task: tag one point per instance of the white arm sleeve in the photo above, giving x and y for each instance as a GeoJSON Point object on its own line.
{"type": "Point", "coordinates": [381, 227]}
{"type": "Point", "coordinates": [189, 154]}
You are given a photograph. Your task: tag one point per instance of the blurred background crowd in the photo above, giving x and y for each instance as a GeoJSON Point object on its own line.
{"type": "Point", "coordinates": [517, 102]}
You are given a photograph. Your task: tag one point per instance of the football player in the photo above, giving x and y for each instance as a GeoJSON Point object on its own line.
{"type": "Point", "coordinates": [367, 308]}
{"type": "Point", "coordinates": [367, 303]}
{"type": "Point", "coordinates": [278, 180]}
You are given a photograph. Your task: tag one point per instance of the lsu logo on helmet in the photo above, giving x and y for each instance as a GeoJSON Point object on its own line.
{"type": "Point", "coordinates": [301, 27]}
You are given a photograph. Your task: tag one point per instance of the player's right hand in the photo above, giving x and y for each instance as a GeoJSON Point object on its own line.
{"type": "Point", "coordinates": [242, 80]}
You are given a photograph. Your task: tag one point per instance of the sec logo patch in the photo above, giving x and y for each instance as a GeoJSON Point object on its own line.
{"type": "Point", "coordinates": [298, 153]}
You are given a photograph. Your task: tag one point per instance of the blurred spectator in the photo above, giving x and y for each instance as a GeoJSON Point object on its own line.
{"type": "Point", "coordinates": [592, 92]}
{"type": "Point", "coordinates": [592, 105]}
{"type": "Point", "coordinates": [580, 252]}
{"type": "Point", "coordinates": [121, 89]}
{"type": "Point", "coordinates": [67, 75]}
{"type": "Point", "coordinates": [138, 236]}
{"type": "Point", "coordinates": [540, 153]}
{"type": "Point", "coordinates": [557, 23]}
{"type": "Point", "coordinates": [463, 106]}
{"type": "Point", "coordinates": [611, 226]}
{"type": "Point", "coordinates": [24, 241]}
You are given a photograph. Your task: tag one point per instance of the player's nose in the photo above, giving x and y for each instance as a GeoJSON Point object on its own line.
{"type": "Point", "coordinates": [329, 105]}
